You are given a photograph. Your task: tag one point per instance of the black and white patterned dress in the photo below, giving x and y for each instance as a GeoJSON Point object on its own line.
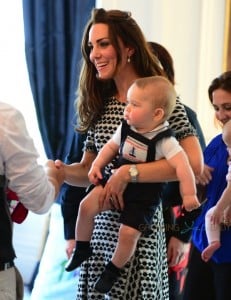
{"type": "Point", "coordinates": [145, 277]}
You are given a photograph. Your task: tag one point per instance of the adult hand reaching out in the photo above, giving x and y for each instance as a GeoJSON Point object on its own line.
{"type": "Point", "coordinates": [55, 175]}
{"type": "Point", "coordinates": [70, 245]}
{"type": "Point", "coordinates": [177, 250]}
{"type": "Point", "coordinates": [206, 175]}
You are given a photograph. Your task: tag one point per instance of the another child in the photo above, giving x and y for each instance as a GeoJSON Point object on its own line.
{"type": "Point", "coordinates": [216, 215]}
{"type": "Point", "coordinates": [144, 136]}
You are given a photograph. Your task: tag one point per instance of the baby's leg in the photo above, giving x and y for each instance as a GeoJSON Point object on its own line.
{"type": "Point", "coordinates": [125, 248]}
{"type": "Point", "coordinates": [126, 245]}
{"type": "Point", "coordinates": [213, 236]}
{"type": "Point", "coordinates": [88, 209]}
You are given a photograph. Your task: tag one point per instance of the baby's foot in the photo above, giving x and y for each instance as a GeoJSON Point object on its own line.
{"type": "Point", "coordinates": [76, 259]}
{"type": "Point", "coordinates": [209, 251]}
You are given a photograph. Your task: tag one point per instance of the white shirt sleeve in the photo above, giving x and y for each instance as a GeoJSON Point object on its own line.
{"type": "Point", "coordinates": [117, 135]}
{"type": "Point", "coordinates": [18, 162]}
{"type": "Point", "coordinates": [167, 147]}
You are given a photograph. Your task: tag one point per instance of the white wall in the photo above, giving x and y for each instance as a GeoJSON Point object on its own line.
{"type": "Point", "coordinates": [193, 32]}
{"type": "Point", "coordinates": [15, 87]}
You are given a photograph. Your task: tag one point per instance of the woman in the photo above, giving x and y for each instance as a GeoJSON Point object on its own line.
{"type": "Point", "coordinates": [115, 53]}
{"type": "Point", "coordinates": [211, 280]}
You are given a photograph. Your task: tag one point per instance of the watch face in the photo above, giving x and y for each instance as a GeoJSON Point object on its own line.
{"type": "Point", "coordinates": [133, 173]}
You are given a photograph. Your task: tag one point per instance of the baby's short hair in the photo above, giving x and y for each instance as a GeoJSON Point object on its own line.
{"type": "Point", "coordinates": [162, 92]}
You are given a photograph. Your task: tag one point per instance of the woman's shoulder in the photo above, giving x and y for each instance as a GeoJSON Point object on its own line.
{"type": "Point", "coordinates": [215, 149]}
{"type": "Point", "coordinates": [216, 141]}
{"type": "Point", "coordinates": [179, 122]}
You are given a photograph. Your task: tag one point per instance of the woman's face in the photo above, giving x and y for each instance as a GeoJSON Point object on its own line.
{"type": "Point", "coordinates": [103, 54]}
{"type": "Point", "coordinates": [222, 105]}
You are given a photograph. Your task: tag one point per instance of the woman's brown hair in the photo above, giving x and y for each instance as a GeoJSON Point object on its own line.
{"type": "Point", "coordinates": [221, 82]}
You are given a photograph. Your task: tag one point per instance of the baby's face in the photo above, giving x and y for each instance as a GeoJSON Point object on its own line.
{"type": "Point", "coordinates": [139, 110]}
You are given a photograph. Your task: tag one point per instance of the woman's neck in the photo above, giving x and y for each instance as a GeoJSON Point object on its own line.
{"type": "Point", "coordinates": [123, 82]}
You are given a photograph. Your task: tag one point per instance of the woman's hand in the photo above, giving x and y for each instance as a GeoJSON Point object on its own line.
{"type": "Point", "coordinates": [56, 176]}
{"type": "Point", "coordinates": [115, 187]}
{"type": "Point", "coordinates": [76, 174]}
{"type": "Point", "coordinates": [206, 175]}
{"type": "Point", "coordinates": [70, 246]}
{"type": "Point", "coordinates": [59, 164]}
{"type": "Point", "coordinates": [217, 216]}
{"type": "Point", "coordinates": [227, 216]}
{"type": "Point", "coordinates": [177, 251]}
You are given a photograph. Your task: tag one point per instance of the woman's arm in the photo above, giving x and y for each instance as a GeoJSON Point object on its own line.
{"type": "Point", "coordinates": [161, 171]}
{"type": "Point", "coordinates": [193, 150]}
{"type": "Point", "coordinates": [158, 171]}
{"type": "Point", "coordinates": [77, 173]}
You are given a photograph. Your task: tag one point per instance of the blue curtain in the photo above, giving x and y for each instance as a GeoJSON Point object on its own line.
{"type": "Point", "coordinates": [53, 32]}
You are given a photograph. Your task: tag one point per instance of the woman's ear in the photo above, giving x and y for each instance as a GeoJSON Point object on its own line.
{"type": "Point", "coordinates": [131, 51]}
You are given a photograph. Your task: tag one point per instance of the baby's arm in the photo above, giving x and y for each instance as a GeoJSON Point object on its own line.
{"type": "Point", "coordinates": [187, 180]}
{"type": "Point", "coordinates": [105, 155]}
{"type": "Point", "coordinates": [223, 203]}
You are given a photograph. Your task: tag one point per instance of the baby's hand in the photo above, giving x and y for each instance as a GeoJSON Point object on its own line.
{"type": "Point", "coordinates": [95, 175]}
{"type": "Point", "coordinates": [191, 202]}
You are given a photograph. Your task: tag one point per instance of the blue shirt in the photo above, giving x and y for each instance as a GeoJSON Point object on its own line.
{"type": "Point", "coordinates": [215, 156]}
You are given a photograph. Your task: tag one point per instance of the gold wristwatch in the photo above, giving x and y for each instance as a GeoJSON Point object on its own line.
{"type": "Point", "coordinates": [133, 173]}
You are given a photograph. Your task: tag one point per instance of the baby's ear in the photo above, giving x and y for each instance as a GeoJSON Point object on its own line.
{"type": "Point", "coordinates": [158, 113]}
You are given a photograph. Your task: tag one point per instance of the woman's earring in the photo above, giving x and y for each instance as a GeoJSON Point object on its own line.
{"type": "Point", "coordinates": [129, 59]}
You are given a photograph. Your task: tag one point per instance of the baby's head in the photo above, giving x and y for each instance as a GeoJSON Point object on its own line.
{"type": "Point", "coordinates": [159, 91]}
{"type": "Point", "coordinates": [227, 133]}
